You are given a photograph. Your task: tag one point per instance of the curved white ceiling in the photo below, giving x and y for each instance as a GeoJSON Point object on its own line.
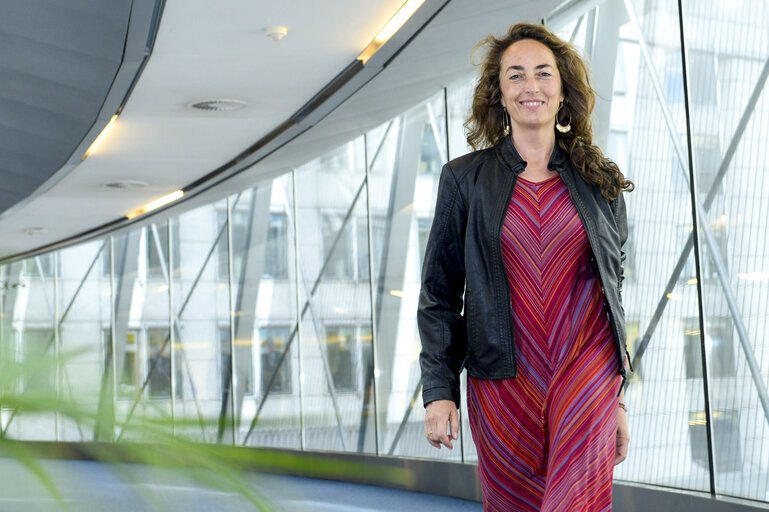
{"type": "Point", "coordinates": [208, 50]}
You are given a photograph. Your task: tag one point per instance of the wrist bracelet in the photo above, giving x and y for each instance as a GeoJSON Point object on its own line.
{"type": "Point", "coordinates": [623, 405]}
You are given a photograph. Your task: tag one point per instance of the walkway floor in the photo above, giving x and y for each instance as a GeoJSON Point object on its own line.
{"type": "Point", "coordinates": [92, 486]}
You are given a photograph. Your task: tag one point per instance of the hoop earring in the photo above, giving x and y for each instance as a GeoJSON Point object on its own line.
{"type": "Point", "coordinates": [558, 126]}
{"type": "Point", "coordinates": [506, 123]}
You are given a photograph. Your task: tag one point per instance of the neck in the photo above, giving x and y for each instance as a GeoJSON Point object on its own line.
{"type": "Point", "coordinates": [534, 145]}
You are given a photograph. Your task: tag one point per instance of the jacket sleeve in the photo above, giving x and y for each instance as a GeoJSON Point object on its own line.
{"type": "Point", "coordinates": [620, 217]}
{"type": "Point", "coordinates": [439, 317]}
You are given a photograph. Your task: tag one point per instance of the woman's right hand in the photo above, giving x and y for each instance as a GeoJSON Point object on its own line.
{"type": "Point", "coordinates": [440, 416]}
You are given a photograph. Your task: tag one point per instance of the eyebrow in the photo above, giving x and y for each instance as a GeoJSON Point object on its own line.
{"type": "Point", "coordinates": [520, 68]}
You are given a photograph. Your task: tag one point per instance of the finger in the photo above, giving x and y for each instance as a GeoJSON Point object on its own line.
{"type": "Point", "coordinates": [446, 441]}
{"type": "Point", "coordinates": [434, 443]}
{"type": "Point", "coordinates": [441, 433]}
{"type": "Point", "coordinates": [431, 430]}
{"type": "Point", "coordinates": [620, 450]}
{"type": "Point", "coordinates": [454, 424]}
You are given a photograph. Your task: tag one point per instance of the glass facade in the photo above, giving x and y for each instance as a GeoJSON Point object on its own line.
{"type": "Point", "coordinates": [285, 315]}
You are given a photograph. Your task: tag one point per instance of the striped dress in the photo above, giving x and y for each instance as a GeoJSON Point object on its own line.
{"type": "Point", "coordinates": [545, 439]}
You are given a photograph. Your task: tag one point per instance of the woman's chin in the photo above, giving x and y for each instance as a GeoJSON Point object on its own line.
{"type": "Point", "coordinates": [535, 125]}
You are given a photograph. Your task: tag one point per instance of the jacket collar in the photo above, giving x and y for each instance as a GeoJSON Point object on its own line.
{"type": "Point", "coordinates": [509, 155]}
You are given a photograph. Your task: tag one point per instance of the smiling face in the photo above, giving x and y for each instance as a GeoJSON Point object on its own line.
{"type": "Point", "coordinates": [530, 85]}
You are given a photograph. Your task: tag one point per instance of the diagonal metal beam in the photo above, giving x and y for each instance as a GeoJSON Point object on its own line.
{"type": "Point", "coordinates": [329, 378]}
{"type": "Point", "coordinates": [379, 147]}
{"type": "Point", "coordinates": [434, 128]}
{"type": "Point", "coordinates": [701, 211]}
{"type": "Point", "coordinates": [576, 29]}
{"type": "Point", "coordinates": [405, 419]}
{"type": "Point", "coordinates": [590, 33]}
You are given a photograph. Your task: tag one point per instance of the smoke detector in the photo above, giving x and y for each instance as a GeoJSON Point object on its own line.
{"type": "Point", "coordinates": [277, 33]}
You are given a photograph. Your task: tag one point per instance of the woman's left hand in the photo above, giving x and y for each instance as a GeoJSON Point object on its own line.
{"type": "Point", "coordinates": [623, 436]}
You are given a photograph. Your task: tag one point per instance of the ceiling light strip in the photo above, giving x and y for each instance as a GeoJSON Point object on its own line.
{"type": "Point", "coordinates": [157, 203]}
{"type": "Point", "coordinates": [101, 137]}
{"type": "Point", "coordinates": [391, 27]}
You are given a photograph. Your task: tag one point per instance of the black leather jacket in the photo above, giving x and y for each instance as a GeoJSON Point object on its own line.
{"type": "Point", "coordinates": [464, 255]}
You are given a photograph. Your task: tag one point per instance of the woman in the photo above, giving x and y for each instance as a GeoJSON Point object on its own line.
{"type": "Point", "coordinates": [521, 285]}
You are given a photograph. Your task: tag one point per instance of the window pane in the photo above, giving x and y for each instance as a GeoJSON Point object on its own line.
{"type": "Point", "coordinates": [334, 294]}
{"type": "Point", "coordinates": [275, 376]}
{"type": "Point", "coordinates": [340, 353]}
{"type": "Point", "coordinates": [31, 339]}
{"type": "Point", "coordinates": [264, 316]}
{"type": "Point", "coordinates": [129, 376]}
{"type": "Point", "coordinates": [728, 87]}
{"type": "Point", "coordinates": [159, 348]}
{"type": "Point", "coordinates": [157, 249]}
{"type": "Point", "coordinates": [37, 346]}
{"type": "Point", "coordinates": [337, 246]}
{"type": "Point", "coordinates": [42, 265]}
{"type": "Point", "coordinates": [83, 306]}
{"type": "Point", "coordinates": [667, 395]}
{"type": "Point", "coordinates": [202, 308]}
{"type": "Point", "coordinates": [403, 204]}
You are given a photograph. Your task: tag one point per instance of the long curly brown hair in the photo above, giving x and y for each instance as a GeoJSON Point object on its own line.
{"type": "Point", "coordinates": [486, 123]}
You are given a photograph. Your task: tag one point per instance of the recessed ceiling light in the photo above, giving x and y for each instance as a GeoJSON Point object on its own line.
{"type": "Point", "coordinates": [36, 231]}
{"type": "Point", "coordinates": [220, 105]}
{"type": "Point", "coordinates": [124, 184]}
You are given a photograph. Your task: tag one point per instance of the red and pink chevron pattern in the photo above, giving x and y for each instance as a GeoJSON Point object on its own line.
{"type": "Point", "coordinates": [545, 439]}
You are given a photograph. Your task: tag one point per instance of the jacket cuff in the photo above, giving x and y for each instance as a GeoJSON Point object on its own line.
{"type": "Point", "coordinates": [441, 393]}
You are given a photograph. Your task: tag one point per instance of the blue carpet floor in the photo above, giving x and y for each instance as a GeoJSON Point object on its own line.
{"type": "Point", "coordinates": [92, 486]}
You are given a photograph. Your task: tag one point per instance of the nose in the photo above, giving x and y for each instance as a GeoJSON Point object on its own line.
{"type": "Point", "coordinates": [531, 84]}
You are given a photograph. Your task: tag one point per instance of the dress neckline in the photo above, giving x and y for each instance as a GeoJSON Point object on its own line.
{"type": "Point", "coordinates": [537, 183]}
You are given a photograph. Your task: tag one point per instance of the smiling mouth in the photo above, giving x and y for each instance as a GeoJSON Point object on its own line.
{"type": "Point", "coordinates": [532, 103]}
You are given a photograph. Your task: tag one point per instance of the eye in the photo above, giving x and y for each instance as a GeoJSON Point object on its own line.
{"type": "Point", "coordinates": [546, 74]}
{"type": "Point", "coordinates": [515, 76]}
